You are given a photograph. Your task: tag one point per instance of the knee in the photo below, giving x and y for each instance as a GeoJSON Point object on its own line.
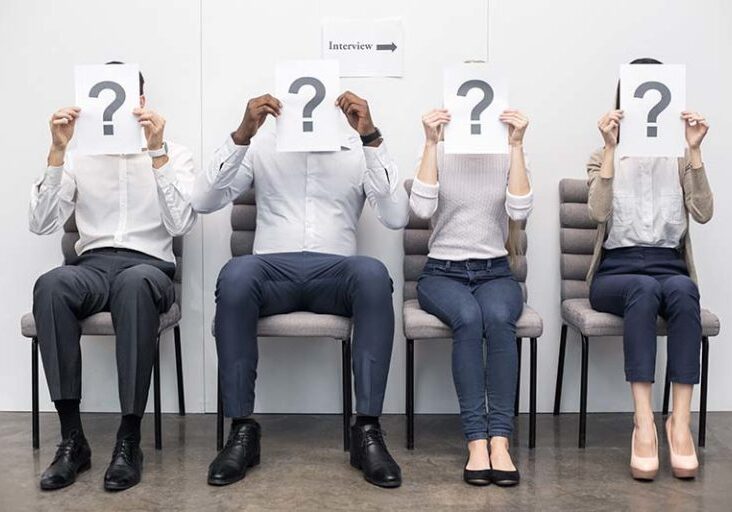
{"type": "Point", "coordinates": [469, 319]}
{"type": "Point", "coordinates": [681, 288]}
{"type": "Point", "coordinates": [135, 280]}
{"type": "Point", "coordinates": [498, 316]}
{"type": "Point", "coordinates": [369, 276]}
{"type": "Point", "coordinates": [238, 280]}
{"type": "Point", "coordinates": [52, 283]}
{"type": "Point", "coordinates": [645, 289]}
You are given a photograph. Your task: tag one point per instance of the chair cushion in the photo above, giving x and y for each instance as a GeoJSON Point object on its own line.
{"type": "Point", "coordinates": [100, 324]}
{"type": "Point", "coordinates": [303, 324]}
{"type": "Point", "coordinates": [420, 325]}
{"type": "Point", "coordinates": [578, 313]}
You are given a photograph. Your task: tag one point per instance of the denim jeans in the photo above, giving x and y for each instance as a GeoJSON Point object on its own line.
{"type": "Point", "coordinates": [640, 283]}
{"type": "Point", "coordinates": [478, 299]}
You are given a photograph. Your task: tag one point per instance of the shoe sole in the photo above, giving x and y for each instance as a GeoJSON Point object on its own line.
{"type": "Point", "coordinates": [477, 482]}
{"type": "Point", "coordinates": [84, 467]}
{"type": "Point", "coordinates": [684, 474]}
{"type": "Point", "coordinates": [221, 483]}
{"type": "Point", "coordinates": [505, 483]}
{"type": "Point", "coordinates": [643, 476]}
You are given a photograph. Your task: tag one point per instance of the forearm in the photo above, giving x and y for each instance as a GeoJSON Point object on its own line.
{"type": "Point", "coordinates": [518, 178]}
{"type": "Point", "coordinates": [46, 207]}
{"type": "Point", "coordinates": [175, 180]}
{"type": "Point", "coordinates": [382, 189]}
{"type": "Point", "coordinates": [427, 171]}
{"type": "Point", "coordinates": [217, 185]}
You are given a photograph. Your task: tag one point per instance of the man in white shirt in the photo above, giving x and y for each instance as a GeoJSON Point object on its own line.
{"type": "Point", "coordinates": [127, 210]}
{"type": "Point", "coordinates": [308, 206]}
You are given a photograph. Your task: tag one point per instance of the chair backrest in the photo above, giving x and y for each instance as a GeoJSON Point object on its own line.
{"type": "Point", "coordinates": [71, 235]}
{"type": "Point", "coordinates": [576, 238]}
{"type": "Point", "coordinates": [243, 224]}
{"type": "Point", "coordinates": [416, 237]}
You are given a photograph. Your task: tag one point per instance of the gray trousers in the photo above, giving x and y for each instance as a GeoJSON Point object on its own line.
{"type": "Point", "coordinates": [135, 288]}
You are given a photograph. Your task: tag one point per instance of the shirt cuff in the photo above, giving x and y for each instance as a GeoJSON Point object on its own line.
{"type": "Point", "coordinates": [53, 175]}
{"type": "Point", "coordinates": [519, 202]}
{"type": "Point", "coordinates": [165, 175]}
{"type": "Point", "coordinates": [423, 189]}
{"type": "Point", "coordinates": [377, 157]}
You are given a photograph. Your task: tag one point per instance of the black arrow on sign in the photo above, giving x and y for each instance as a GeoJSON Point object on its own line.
{"type": "Point", "coordinates": [390, 46]}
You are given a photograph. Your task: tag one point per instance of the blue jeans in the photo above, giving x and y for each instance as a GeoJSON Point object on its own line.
{"type": "Point", "coordinates": [640, 283]}
{"type": "Point", "coordinates": [250, 287]}
{"type": "Point", "coordinates": [478, 299]}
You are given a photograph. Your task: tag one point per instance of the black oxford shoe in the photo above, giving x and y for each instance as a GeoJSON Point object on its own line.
{"type": "Point", "coordinates": [240, 453]}
{"type": "Point", "coordinates": [125, 470]}
{"type": "Point", "coordinates": [72, 457]}
{"type": "Point", "coordinates": [369, 454]}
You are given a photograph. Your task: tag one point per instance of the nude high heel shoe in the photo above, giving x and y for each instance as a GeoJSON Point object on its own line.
{"type": "Point", "coordinates": [643, 468]}
{"type": "Point", "coordinates": [682, 466]}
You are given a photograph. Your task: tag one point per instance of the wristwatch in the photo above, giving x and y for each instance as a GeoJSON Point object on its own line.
{"type": "Point", "coordinates": [154, 153]}
{"type": "Point", "coordinates": [368, 139]}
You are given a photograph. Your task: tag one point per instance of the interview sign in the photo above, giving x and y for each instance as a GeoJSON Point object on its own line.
{"type": "Point", "coordinates": [365, 47]}
{"type": "Point", "coordinates": [652, 97]}
{"type": "Point", "coordinates": [475, 95]}
{"type": "Point", "coordinates": [309, 120]}
{"type": "Point", "coordinates": [107, 94]}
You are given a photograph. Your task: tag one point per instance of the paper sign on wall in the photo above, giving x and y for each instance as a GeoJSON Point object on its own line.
{"type": "Point", "coordinates": [309, 120]}
{"type": "Point", "coordinates": [107, 95]}
{"type": "Point", "coordinates": [652, 97]}
{"type": "Point", "coordinates": [475, 95]}
{"type": "Point", "coordinates": [365, 47]}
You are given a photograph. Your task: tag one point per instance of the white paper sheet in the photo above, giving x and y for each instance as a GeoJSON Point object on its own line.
{"type": "Point", "coordinates": [644, 132]}
{"type": "Point", "coordinates": [365, 47]}
{"type": "Point", "coordinates": [304, 125]}
{"type": "Point", "coordinates": [107, 95]}
{"type": "Point", "coordinates": [475, 128]}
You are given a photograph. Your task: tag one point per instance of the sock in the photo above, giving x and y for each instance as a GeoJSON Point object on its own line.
{"type": "Point", "coordinates": [68, 414]}
{"type": "Point", "coordinates": [237, 422]}
{"type": "Point", "coordinates": [362, 421]}
{"type": "Point", "coordinates": [129, 427]}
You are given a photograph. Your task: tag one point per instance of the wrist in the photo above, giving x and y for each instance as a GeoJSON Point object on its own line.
{"type": "Point", "coordinates": [367, 130]}
{"type": "Point", "coordinates": [241, 137]}
{"type": "Point", "coordinates": [153, 146]}
{"type": "Point", "coordinates": [56, 156]}
{"type": "Point", "coordinates": [431, 144]}
{"type": "Point", "coordinates": [516, 144]}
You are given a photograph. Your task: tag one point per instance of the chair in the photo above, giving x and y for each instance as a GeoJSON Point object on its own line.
{"type": "Point", "coordinates": [420, 325]}
{"type": "Point", "coordinates": [299, 324]}
{"type": "Point", "coordinates": [577, 240]}
{"type": "Point", "coordinates": [100, 324]}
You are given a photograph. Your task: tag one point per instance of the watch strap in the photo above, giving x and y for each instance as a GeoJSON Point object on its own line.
{"type": "Point", "coordinates": [368, 139]}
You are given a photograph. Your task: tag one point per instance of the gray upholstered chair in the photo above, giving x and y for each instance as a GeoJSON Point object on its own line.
{"type": "Point", "coordinates": [420, 325]}
{"type": "Point", "coordinates": [577, 237]}
{"type": "Point", "coordinates": [300, 324]}
{"type": "Point", "coordinates": [100, 324]}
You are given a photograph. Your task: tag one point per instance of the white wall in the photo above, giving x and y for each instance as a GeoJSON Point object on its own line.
{"type": "Point", "coordinates": [203, 60]}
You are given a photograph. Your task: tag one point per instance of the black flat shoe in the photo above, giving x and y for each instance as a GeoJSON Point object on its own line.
{"type": "Point", "coordinates": [479, 477]}
{"type": "Point", "coordinates": [125, 469]}
{"type": "Point", "coordinates": [242, 451]}
{"type": "Point", "coordinates": [505, 478]}
{"type": "Point", "coordinates": [73, 456]}
{"type": "Point", "coordinates": [369, 454]}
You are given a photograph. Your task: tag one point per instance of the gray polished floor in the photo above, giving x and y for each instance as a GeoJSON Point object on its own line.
{"type": "Point", "coordinates": [303, 468]}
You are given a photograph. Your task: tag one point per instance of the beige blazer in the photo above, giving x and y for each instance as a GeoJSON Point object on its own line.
{"type": "Point", "coordinates": [698, 202]}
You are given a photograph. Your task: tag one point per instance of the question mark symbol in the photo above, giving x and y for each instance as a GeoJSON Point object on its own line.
{"type": "Point", "coordinates": [317, 99]}
{"type": "Point", "coordinates": [119, 99]}
{"type": "Point", "coordinates": [481, 105]}
{"type": "Point", "coordinates": [652, 131]}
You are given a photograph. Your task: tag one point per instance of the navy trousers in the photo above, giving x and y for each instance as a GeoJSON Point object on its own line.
{"type": "Point", "coordinates": [640, 283]}
{"type": "Point", "coordinates": [478, 299]}
{"type": "Point", "coordinates": [250, 287]}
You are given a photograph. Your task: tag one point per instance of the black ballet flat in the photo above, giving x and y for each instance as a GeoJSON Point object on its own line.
{"type": "Point", "coordinates": [505, 478]}
{"type": "Point", "coordinates": [479, 477]}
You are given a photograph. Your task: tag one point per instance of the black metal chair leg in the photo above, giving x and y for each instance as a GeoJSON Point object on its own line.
{"type": "Point", "coordinates": [532, 396]}
{"type": "Point", "coordinates": [347, 391]}
{"type": "Point", "coordinates": [179, 372]}
{"type": "Point", "coordinates": [560, 370]}
{"type": "Point", "coordinates": [703, 397]}
{"type": "Point", "coordinates": [156, 393]}
{"type": "Point", "coordinates": [666, 393]}
{"type": "Point", "coordinates": [583, 392]}
{"type": "Point", "coordinates": [410, 394]}
{"type": "Point", "coordinates": [219, 417]}
{"type": "Point", "coordinates": [518, 378]}
{"type": "Point", "coordinates": [34, 393]}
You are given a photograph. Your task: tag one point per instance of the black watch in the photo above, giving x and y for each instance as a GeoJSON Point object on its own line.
{"type": "Point", "coordinates": [368, 139]}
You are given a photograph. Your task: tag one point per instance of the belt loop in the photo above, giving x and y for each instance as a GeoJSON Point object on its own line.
{"type": "Point", "coordinates": [488, 264]}
{"type": "Point", "coordinates": [447, 266]}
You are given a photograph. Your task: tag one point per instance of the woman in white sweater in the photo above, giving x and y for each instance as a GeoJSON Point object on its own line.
{"type": "Point", "coordinates": [474, 203]}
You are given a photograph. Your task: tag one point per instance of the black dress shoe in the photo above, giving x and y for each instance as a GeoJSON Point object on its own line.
{"type": "Point", "coordinates": [505, 478]}
{"type": "Point", "coordinates": [72, 457]}
{"type": "Point", "coordinates": [125, 470]}
{"type": "Point", "coordinates": [240, 453]}
{"type": "Point", "coordinates": [369, 454]}
{"type": "Point", "coordinates": [478, 477]}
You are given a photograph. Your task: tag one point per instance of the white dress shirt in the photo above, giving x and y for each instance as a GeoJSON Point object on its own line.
{"type": "Point", "coordinates": [120, 201]}
{"type": "Point", "coordinates": [306, 201]}
{"type": "Point", "coordinates": [648, 204]}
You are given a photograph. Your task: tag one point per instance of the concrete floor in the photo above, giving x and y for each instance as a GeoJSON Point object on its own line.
{"type": "Point", "coordinates": [304, 468]}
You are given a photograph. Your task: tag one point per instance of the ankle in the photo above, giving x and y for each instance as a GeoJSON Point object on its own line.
{"type": "Point", "coordinates": [362, 420]}
{"type": "Point", "coordinates": [129, 428]}
{"type": "Point", "coordinates": [678, 420]}
{"type": "Point", "coordinates": [499, 443]}
{"type": "Point", "coordinates": [643, 420]}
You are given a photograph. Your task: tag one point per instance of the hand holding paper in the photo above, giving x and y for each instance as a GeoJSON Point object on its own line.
{"type": "Point", "coordinates": [256, 113]}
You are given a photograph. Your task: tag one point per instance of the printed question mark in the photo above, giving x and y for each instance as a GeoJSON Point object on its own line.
{"type": "Point", "coordinates": [317, 99]}
{"type": "Point", "coordinates": [119, 99]}
{"type": "Point", "coordinates": [652, 131]}
{"type": "Point", "coordinates": [481, 105]}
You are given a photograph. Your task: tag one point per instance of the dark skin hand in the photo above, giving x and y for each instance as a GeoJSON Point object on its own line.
{"type": "Point", "coordinates": [256, 113]}
{"type": "Point", "coordinates": [358, 114]}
